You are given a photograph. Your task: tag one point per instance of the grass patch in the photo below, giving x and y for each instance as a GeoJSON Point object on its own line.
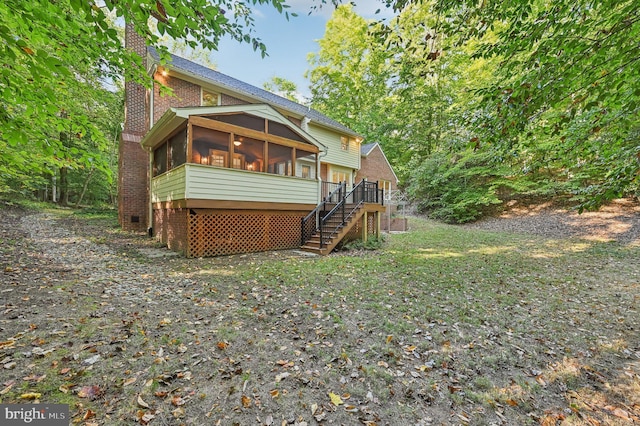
{"type": "Point", "coordinates": [456, 325]}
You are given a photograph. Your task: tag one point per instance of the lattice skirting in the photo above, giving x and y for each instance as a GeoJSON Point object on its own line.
{"type": "Point", "coordinates": [211, 232]}
{"type": "Point", "coordinates": [355, 233]}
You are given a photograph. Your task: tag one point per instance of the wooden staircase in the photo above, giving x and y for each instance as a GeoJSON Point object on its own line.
{"type": "Point", "coordinates": [335, 216]}
{"type": "Point", "coordinates": [336, 231]}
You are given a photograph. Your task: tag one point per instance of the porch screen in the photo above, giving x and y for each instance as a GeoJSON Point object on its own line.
{"type": "Point", "coordinates": [280, 158]}
{"type": "Point", "coordinates": [305, 164]}
{"type": "Point", "coordinates": [248, 154]}
{"type": "Point", "coordinates": [160, 160]}
{"type": "Point", "coordinates": [178, 149]}
{"type": "Point", "coordinates": [210, 147]}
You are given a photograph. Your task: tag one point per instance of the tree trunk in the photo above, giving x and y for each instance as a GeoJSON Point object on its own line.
{"type": "Point", "coordinates": [84, 187]}
{"type": "Point", "coordinates": [64, 187]}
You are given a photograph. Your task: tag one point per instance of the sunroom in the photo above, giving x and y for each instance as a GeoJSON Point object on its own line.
{"type": "Point", "coordinates": [230, 179]}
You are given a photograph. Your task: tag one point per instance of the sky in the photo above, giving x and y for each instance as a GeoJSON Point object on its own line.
{"type": "Point", "coordinates": [288, 43]}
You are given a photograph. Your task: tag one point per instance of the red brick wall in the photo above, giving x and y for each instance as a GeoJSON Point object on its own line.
{"type": "Point", "coordinates": [185, 94]}
{"type": "Point", "coordinates": [374, 167]}
{"type": "Point", "coordinates": [230, 100]}
{"type": "Point", "coordinates": [170, 227]}
{"type": "Point", "coordinates": [133, 161]}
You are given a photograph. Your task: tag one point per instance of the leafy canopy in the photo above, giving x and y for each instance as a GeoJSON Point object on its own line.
{"type": "Point", "coordinates": [58, 56]}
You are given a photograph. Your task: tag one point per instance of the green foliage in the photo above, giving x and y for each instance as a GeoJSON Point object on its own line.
{"type": "Point", "coordinates": [58, 58]}
{"type": "Point", "coordinates": [456, 188]}
{"type": "Point", "coordinates": [482, 101]}
{"type": "Point", "coordinates": [282, 87]}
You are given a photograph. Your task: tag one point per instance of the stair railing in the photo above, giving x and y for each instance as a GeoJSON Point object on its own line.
{"type": "Point", "coordinates": [347, 204]}
{"type": "Point", "coordinates": [311, 222]}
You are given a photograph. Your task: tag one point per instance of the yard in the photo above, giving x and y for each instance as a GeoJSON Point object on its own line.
{"type": "Point", "coordinates": [443, 325]}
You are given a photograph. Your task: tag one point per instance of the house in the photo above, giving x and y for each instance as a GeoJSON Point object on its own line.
{"type": "Point", "coordinates": [224, 167]}
{"type": "Point", "coordinates": [375, 167]}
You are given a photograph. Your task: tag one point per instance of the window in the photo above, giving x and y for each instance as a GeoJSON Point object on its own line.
{"type": "Point", "coordinates": [385, 185]}
{"type": "Point", "coordinates": [238, 161]}
{"type": "Point", "coordinates": [209, 98]}
{"type": "Point", "coordinates": [306, 172]}
{"type": "Point", "coordinates": [344, 143]}
{"type": "Point", "coordinates": [178, 149]}
{"type": "Point", "coordinates": [337, 177]}
{"type": "Point", "coordinates": [217, 158]}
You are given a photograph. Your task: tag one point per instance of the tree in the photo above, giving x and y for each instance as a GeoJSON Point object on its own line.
{"type": "Point", "coordinates": [554, 109]}
{"type": "Point", "coordinates": [51, 49]}
{"type": "Point", "coordinates": [349, 74]}
{"type": "Point", "coordinates": [566, 95]}
{"type": "Point", "coordinates": [282, 87]}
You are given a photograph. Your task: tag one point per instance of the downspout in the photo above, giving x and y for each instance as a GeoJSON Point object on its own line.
{"type": "Point", "coordinates": [149, 204]}
{"type": "Point", "coordinates": [150, 151]}
{"type": "Point", "coordinates": [305, 126]}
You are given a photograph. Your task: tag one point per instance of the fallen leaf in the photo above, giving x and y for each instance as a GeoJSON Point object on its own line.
{"type": "Point", "coordinates": [31, 395]}
{"type": "Point", "coordinates": [34, 378]}
{"type": "Point", "coordinates": [89, 414]}
{"type": "Point", "coordinates": [246, 401]}
{"type": "Point", "coordinates": [512, 403]}
{"type": "Point", "coordinates": [541, 381]}
{"type": "Point", "coordinates": [7, 388]}
{"type": "Point", "coordinates": [351, 408]}
{"type": "Point", "coordinates": [335, 399]}
{"type": "Point", "coordinates": [178, 413]}
{"type": "Point", "coordinates": [177, 401]}
{"type": "Point", "coordinates": [129, 381]}
{"type": "Point", "coordinates": [282, 376]}
{"type": "Point", "coordinates": [314, 408]}
{"type": "Point", "coordinates": [146, 418]}
{"type": "Point", "coordinates": [389, 338]}
{"type": "Point", "coordinates": [274, 393]}
{"type": "Point", "coordinates": [619, 412]}
{"type": "Point", "coordinates": [222, 345]}
{"type": "Point", "coordinates": [90, 392]}
{"type": "Point", "coordinates": [142, 403]}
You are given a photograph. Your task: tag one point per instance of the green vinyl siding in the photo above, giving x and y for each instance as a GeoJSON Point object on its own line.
{"type": "Point", "coordinates": [335, 154]}
{"type": "Point", "coordinates": [212, 183]}
{"type": "Point", "coordinates": [169, 186]}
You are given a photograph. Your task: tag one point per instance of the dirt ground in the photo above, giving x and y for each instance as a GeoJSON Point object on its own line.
{"type": "Point", "coordinates": [127, 333]}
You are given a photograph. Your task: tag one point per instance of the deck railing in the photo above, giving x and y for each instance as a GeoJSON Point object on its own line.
{"type": "Point", "coordinates": [327, 223]}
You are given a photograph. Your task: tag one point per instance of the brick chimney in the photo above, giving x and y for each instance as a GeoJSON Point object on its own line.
{"type": "Point", "coordinates": [133, 162]}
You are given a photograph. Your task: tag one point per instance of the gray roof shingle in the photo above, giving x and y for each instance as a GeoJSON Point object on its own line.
{"type": "Point", "coordinates": [366, 148]}
{"type": "Point", "coordinates": [217, 78]}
